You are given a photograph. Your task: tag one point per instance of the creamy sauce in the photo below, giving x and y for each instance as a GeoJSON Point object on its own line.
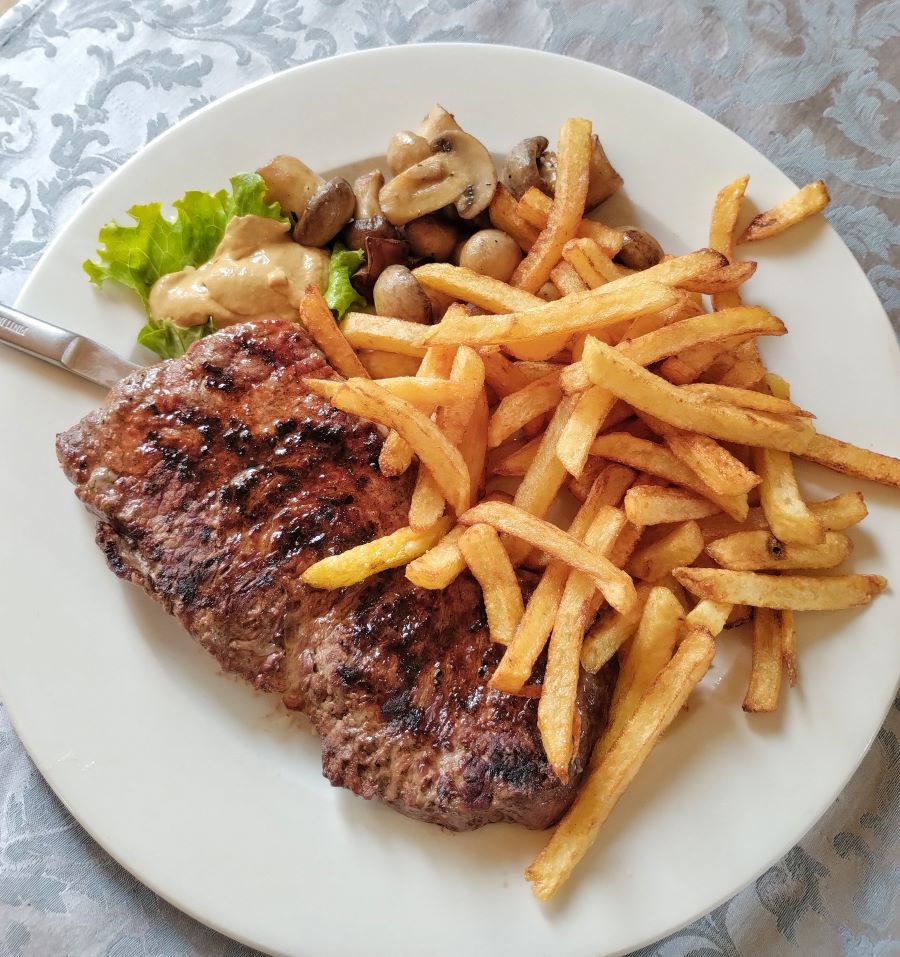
{"type": "Point", "coordinates": [256, 271]}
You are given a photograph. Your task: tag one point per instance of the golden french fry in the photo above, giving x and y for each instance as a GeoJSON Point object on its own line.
{"type": "Point", "coordinates": [651, 505]}
{"type": "Point", "coordinates": [657, 460]}
{"type": "Point", "coordinates": [385, 334]}
{"type": "Point", "coordinates": [396, 455]}
{"type": "Point", "coordinates": [566, 279]}
{"type": "Point", "coordinates": [760, 550]}
{"type": "Point", "coordinates": [556, 709]}
{"type": "Point", "coordinates": [588, 416]}
{"type": "Point", "coordinates": [651, 394]}
{"type": "Point", "coordinates": [545, 475]}
{"type": "Point", "coordinates": [482, 291]}
{"type": "Point", "coordinates": [518, 461]}
{"type": "Point", "coordinates": [745, 371]}
{"type": "Point", "coordinates": [608, 780]}
{"type": "Point", "coordinates": [386, 365]}
{"type": "Point", "coordinates": [836, 514]}
{"type": "Point", "coordinates": [852, 460]}
{"type": "Point", "coordinates": [534, 208]}
{"type": "Point", "coordinates": [572, 174]}
{"type": "Point", "coordinates": [806, 202]}
{"type": "Point", "coordinates": [797, 592]}
{"type": "Point", "coordinates": [534, 629]}
{"type": "Point", "coordinates": [467, 374]}
{"type": "Point", "coordinates": [679, 547]}
{"type": "Point", "coordinates": [716, 466]}
{"type": "Point", "coordinates": [708, 328]}
{"type": "Point", "coordinates": [687, 366]}
{"type": "Point", "coordinates": [721, 278]}
{"type": "Point", "coordinates": [788, 515]}
{"type": "Point", "coordinates": [765, 675]}
{"type": "Point", "coordinates": [615, 586]}
{"type": "Point", "coordinates": [488, 562]}
{"type": "Point", "coordinates": [708, 614]}
{"type": "Point", "coordinates": [789, 645]}
{"type": "Point", "coordinates": [366, 399]}
{"type": "Point", "coordinates": [726, 210]}
{"type": "Point", "coordinates": [356, 564]}
{"type": "Point", "coordinates": [612, 631]}
{"type": "Point", "coordinates": [747, 398]}
{"type": "Point", "coordinates": [505, 215]}
{"type": "Point", "coordinates": [649, 652]}
{"type": "Point", "coordinates": [591, 263]}
{"type": "Point", "coordinates": [441, 564]}
{"type": "Point", "coordinates": [319, 323]}
{"type": "Point", "coordinates": [562, 317]}
{"type": "Point", "coordinates": [518, 408]}
{"type": "Point", "coordinates": [473, 445]}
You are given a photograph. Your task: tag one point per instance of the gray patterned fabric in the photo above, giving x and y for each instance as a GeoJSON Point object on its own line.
{"type": "Point", "coordinates": [812, 84]}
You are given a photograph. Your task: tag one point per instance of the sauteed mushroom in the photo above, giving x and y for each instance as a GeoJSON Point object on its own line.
{"type": "Point", "coordinates": [368, 219]}
{"type": "Point", "coordinates": [398, 294]}
{"type": "Point", "coordinates": [640, 250]}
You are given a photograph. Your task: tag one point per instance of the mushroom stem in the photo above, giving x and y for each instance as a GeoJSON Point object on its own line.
{"type": "Point", "coordinates": [365, 189]}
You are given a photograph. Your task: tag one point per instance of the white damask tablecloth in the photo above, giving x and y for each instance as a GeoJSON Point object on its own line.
{"type": "Point", "coordinates": [813, 84]}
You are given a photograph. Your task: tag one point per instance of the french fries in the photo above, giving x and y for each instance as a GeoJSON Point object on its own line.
{"type": "Point", "coordinates": [793, 592]}
{"type": "Point", "coordinates": [679, 547]}
{"type": "Point", "coordinates": [385, 334]}
{"type": "Point", "coordinates": [608, 780]}
{"type": "Point", "coordinates": [765, 675]}
{"type": "Point", "coordinates": [357, 564]}
{"type": "Point", "coordinates": [650, 393]}
{"type": "Point", "coordinates": [534, 208]}
{"type": "Point", "coordinates": [851, 460]}
{"type": "Point", "coordinates": [324, 332]}
{"type": "Point", "coordinates": [662, 421]}
{"type": "Point", "coordinates": [649, 652]}
{"type": "Point", "coordinates": [366, 399]}
{"type": "Point", "coordinates": [806, 202]}
{"type": "Point", "coordinates": [567, 209]}
{"type": "Point", "coordinates": [762, 551]}
{"type": "Point", "coordinates": [489, 563]}
{"type": "Point", "coordinates": [613, 583]}
{"type": "Point", "coordinates": [651, 505]}
{"type": "Point", "coordinates": [556, 709]}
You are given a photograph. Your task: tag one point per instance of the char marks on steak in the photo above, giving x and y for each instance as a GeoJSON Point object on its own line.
{"type": "Point", "coordinates": [218, 478]}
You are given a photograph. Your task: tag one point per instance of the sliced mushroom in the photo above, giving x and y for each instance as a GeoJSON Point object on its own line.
{"type": "Point", "coordinates": [328, 209]}
{"type": "Point", "coordinates": [431, 237]}
{"type": "Point", "coordinates": [380, 253]}
{"type": "Point", "coordinates": [437, 122]}
{"type": "Point", "coordinates": [368, 219]}
{"type": "Point", "coordinates": [405, 149]}
{"type": "Point", "coordinates": [521, 170]}
{"type": "Point", "coordinates": [640, 250]}
{"type": "Point", "coordinates": [398, 294]}
{"type": "Point", "coordinates": [459, 171]}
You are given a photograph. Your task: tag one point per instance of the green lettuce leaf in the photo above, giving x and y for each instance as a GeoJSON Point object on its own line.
{"type": "Point", "coordinates": [168, 340]}
{"type": "Point", "coordinates": [136, 256]}
{"type": "Point", "coordinates": [340, 294]}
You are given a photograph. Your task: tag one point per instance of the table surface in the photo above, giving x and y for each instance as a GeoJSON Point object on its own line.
{"type": "Point", "coordinates": [812, 86]}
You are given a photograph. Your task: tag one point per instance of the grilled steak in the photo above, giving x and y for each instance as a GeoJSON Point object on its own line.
{"type": "Point", "coordinates": [218, 478]}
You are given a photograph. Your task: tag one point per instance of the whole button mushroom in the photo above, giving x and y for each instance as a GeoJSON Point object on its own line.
{"type": "Point", "coordinates": [398, 294]}
{"type": "Point", "coordinates": [640, 250]}
{"type": "Point", "coordinates": [431, 237]}
{"type": "Point", "coordinates": [491, 252]}
{"type": "Point", "coordinates": [522, 171]}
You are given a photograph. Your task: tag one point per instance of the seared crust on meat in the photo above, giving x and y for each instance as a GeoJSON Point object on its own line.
{"type": "Point", "coordinates": [218, 478]}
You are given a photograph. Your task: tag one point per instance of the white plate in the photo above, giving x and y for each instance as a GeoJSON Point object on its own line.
{"type": "Point", "coordinates": [208, 795]}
